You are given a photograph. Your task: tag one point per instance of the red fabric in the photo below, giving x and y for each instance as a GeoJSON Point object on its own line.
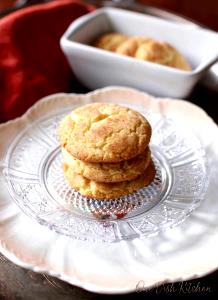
{"type": "Point", "coordinates": [31, 62]}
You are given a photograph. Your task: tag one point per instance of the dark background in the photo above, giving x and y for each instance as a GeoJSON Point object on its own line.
{"type": "Point", "coordinates": [203, 11]}
{"type": "Point", "coordinates": [19, 284]}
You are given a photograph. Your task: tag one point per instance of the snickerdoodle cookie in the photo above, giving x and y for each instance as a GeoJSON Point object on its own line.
{"type": "Point", "coordinates": [109, 172]}
{"type": "Point", "coordinates": [130, 46]}
{"type": "Point", "coordinates": [104, 132]}
{"type": "Point", "coordinates": [110, 41]}
{"type": "Point", "coordinates": [102, 190]}
{"type": "Point", "coordinates": [161, 53]}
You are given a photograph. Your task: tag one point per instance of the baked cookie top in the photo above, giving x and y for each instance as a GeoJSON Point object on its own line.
{"type": "Point", "coordinates": [110, 41]}
{"type": "Point", "coordinates": [109, 172]}
{"type": "Point", "coordinates": [155, 51]}
{"type": "Point", "coordinates": [104, 132]}
{"type": "Point", "coordinates": [100, 190]}
{"type": "Point", "coordinates": [130, 46]}
{"type": "Point", "coordinates": [161, 53]}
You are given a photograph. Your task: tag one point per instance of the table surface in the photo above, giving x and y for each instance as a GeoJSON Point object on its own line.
{"type": "Point", "coordinates": [17, 283]}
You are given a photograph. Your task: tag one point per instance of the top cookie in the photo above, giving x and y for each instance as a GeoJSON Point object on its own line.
{"type": "Point", "coordinates": [104, 132]}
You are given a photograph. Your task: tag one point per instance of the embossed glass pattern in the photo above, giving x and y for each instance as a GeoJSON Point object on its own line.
{"type": "Point", "coordinates": [34, 178]}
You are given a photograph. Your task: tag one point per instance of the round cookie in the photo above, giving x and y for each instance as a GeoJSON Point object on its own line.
{"type": "Point", "coordinates": [110, 41]}
{"type": "Point", "coordinates": [109, 172]}
{"type": "Point", "coordinates": [161, 53]}
{"type": "Point", "coordinates": [156, 52]}
{"type": "Point", "coordinates": [130, 46]}
{"type": "Point", "coordinates": [100, 190]}
{"type": "Point", "coordinates": [104, 132]}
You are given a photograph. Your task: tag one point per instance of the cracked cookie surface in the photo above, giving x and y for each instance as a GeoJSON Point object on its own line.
{"type": "Point", "coordinates": [104, 132]}
{"type": "Point", "coordinates": [110, 41]}
{"type": "Point", "coordinates": [109, 172]}
{"type": "Point", "coordinates": [101, 190]}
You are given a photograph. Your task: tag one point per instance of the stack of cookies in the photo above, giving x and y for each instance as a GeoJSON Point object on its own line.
{"type": "Point", "coordinates": [105, 150]}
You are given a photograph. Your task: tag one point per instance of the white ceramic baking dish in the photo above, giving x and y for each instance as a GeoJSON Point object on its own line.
{"type": "Point", "coordinates": [97, 68]}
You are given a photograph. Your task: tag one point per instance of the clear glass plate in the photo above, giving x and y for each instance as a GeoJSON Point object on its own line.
{"type": "Point", "coordinates": [35, 181]}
